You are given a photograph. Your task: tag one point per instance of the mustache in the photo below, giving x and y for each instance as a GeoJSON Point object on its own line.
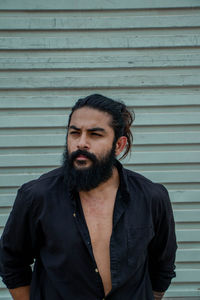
{"type": "Point", "coordinates": [75, 154]}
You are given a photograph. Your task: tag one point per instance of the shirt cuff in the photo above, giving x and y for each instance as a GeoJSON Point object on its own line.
{"type": "Point", "coordinates": [16, 280]}
{"type": "Point", "coordinates": [161, 284]}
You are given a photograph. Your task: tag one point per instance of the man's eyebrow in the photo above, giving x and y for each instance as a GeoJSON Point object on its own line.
{"type": "Point", "coordinates": [90, 129]}
{"type": "Point", "coordinates": [97, 129]}
{"type": "Point", "coordinates": [74, 127]}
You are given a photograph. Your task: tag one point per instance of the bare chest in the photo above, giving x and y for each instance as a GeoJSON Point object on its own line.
{"type": "Point", "coordinates": [100, 230]}
{"type": "Point", "coordinates": [99, 223]}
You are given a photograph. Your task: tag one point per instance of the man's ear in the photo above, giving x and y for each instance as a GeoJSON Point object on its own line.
{"type": "Point", "coordinates": [120, 145]}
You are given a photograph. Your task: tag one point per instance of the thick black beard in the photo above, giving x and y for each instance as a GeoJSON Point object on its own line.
{"type": "Point", "coordinates": [86, 179]}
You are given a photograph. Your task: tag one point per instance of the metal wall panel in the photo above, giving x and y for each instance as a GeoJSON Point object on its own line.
{"type": "Point", "coordinates": [146, 53]}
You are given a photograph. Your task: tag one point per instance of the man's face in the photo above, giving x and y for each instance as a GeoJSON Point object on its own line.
{"type": "Point", "coordinates": [90, 154]}
{"type": "Point", "coordinates": [89, 130]}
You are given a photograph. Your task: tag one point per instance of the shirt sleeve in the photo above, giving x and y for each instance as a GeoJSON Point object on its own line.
{"type": "Point", "coordinates": [162, 248]}
{"type": "Point", "coordinates": [17, 244]}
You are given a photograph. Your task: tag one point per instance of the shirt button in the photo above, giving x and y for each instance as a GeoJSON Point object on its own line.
{"type": "Point", "coordinates": [74, 215]}
{"type": "Point", "coordinates": [96, 270]}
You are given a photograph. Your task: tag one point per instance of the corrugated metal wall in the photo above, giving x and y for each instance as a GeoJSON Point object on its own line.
{"type": "Point", "coordinates": [146, 53]}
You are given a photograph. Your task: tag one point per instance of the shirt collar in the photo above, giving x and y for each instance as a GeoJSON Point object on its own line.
{"type": "Point", "coordinates": [124, 187]}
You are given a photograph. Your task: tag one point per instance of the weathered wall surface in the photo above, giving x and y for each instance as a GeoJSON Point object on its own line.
{"type": "Point", "coordinates": [146, 53]}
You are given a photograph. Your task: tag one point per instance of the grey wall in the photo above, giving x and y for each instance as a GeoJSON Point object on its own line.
{"type": "Point", "coordinates": [146, 53]}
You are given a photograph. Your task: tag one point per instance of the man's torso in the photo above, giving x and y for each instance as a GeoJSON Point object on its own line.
{"type": "Point", "coordinates": [99, 220]}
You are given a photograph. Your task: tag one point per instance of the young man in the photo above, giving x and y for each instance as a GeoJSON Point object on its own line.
{"type": "Point", "coordinates": [95, 230]}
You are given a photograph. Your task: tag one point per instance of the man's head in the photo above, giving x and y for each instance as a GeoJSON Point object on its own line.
{"type": "Point", "coordinates": [98, 131]}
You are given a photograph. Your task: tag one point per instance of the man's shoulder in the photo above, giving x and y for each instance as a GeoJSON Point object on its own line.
{"type": "Point", "coordinates": [44, 181]}
{"type": "Point", "coordinates": [137, 177]}
{"type": "Point", "coordinates": [152, 193]}
{"type": "Point", "coordinates": [144, 183]}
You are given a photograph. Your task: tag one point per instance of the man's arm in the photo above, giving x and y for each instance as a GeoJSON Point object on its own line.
{"type": "Point", "coordinates": [158, 295]}
{"type": "Point", "coordinates": [163, 247]}
{"type": "Point", "coordinates": [17, 246]}
{"type": "Point", "coordinates": [21, 293]}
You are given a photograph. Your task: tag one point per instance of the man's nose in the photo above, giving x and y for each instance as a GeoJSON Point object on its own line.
{"type": "Point", "coordinates": [83, 142]}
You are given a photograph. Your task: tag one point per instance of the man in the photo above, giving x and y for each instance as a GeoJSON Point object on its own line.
{"type": "Point", "coordinates": [95, 230]}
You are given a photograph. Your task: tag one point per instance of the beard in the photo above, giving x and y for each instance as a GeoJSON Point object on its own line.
{"type": "Point", "coordinates": [88, 178]}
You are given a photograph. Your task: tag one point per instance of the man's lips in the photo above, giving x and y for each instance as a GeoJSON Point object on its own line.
{"type": "Point", "coordinates": [81, 157]}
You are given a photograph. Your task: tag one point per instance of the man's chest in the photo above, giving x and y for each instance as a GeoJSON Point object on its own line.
{"type": "Point", "coordinates": [99, 223]}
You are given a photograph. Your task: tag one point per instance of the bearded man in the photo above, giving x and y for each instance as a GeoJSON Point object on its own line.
{"type": "Point", "coordinates": [93, 229]}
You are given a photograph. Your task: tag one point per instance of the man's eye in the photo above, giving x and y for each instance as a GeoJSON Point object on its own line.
{"type": "Point", "coordinates": [96, 134]}
{"type": "Point", "coordinates": [74, 132]}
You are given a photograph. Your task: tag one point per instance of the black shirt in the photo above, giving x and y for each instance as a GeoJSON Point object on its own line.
{"type": "Point", "coordinates": [47, 226]}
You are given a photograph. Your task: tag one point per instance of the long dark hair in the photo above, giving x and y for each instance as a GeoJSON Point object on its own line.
{"type": "Point", "coordinates": [122, 118]}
